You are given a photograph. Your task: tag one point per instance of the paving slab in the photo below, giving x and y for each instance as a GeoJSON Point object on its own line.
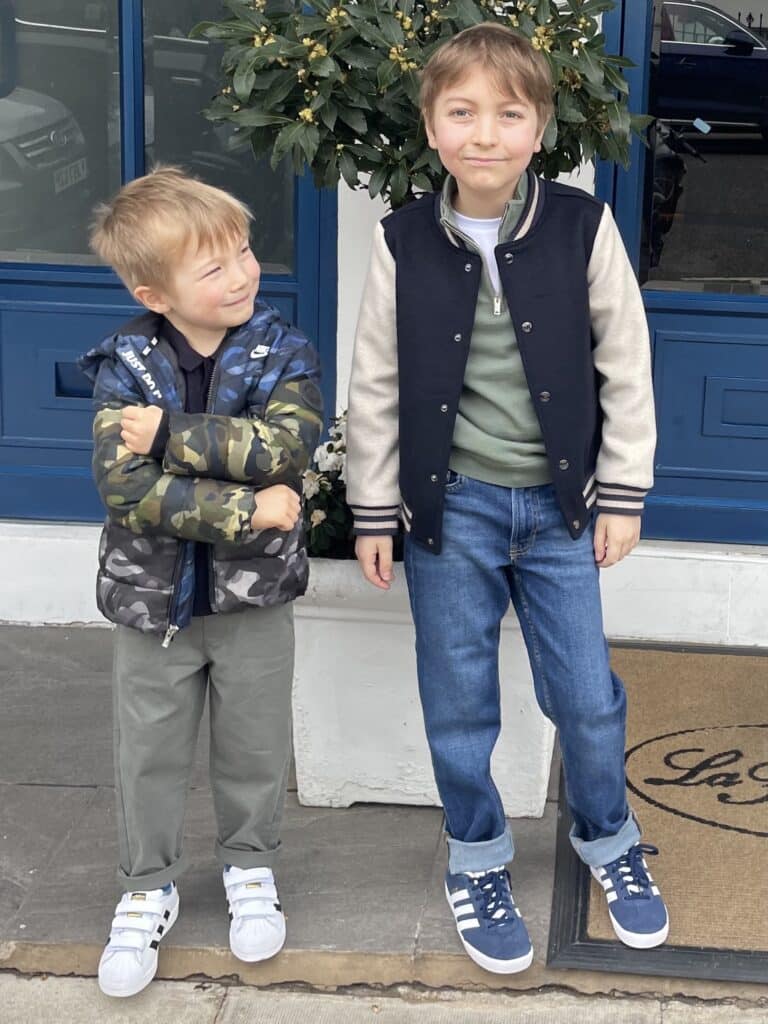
{"type": "Point", "coordinates": [79, 1001]}
{"type": "Point", "coordinates": [56, 708]}
{"type": "Point", "coordinates": [243, 1006]}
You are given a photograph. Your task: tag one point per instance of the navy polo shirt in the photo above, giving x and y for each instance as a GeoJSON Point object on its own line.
{"type": "Point", "coordinates": [198, 371]}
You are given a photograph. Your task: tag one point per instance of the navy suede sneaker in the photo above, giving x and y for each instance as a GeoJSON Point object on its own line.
{"type": "Point", "coordinates": [637, 911]}
{"type": "Point", "coordinates": [489, 924]}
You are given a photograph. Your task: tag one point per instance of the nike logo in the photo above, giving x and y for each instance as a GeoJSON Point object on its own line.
{"type": "Point", "coordinates": [259, 351]}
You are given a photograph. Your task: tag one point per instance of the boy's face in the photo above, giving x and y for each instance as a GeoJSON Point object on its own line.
{"type": "Point", "coordinates": [210, 291]}
{"type": "Point", "coordinates": [485, 139]}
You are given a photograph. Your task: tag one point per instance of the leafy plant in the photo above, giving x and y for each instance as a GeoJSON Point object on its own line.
{"type": "Point", "coordinates": [327, 518]}
{"type": "Point", "coordinates": [335, 86]}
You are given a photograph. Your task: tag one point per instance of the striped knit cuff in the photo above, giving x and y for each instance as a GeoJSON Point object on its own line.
{"type": "Point", "coordinates": [375, 520]}
{"type": "Point", "coordinates": [620, 500]}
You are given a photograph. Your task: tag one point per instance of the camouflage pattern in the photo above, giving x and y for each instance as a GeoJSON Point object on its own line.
{"type": "Point", "coordinates": [264, 425]}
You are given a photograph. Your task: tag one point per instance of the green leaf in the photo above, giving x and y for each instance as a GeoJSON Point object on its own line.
{"type": "Point", "coordinates": [386, 73]}
{"type": "Point", "coordinates": [252, 118]}
{"type": "Point", "coordinates": [470, 13]}
{"type": "Point", "coordinates": [287, 137]}
{"type": "Point", "coordinates": [589, 67]}
{"type": "Point", "coordinates": [309, 140]}
{"type": "Point", "coordinates": [550, 135]}
{"type": "Point", "coordinates": [348, 169]}
{"type": "Point", "coordinates": [354, 118]}
{"type": "Point", "coordinates": [617, 80]}
{"type": "Point", "coordinates": [323, 66]}
{"type": "Point", "coordinates": [278, 91]}
{"type": "Point", "coordinates": [242, 81]}
{"type": "Point", "coordinates": [359, 57]}
{"type": "Point", "coordinates": [391, 29]}
{"type": "Point", "coordinates": [328, 114]}
{"type": "Point", "coordinates": [377, 181]}
{"type": "Point", "coordinates": [398, 185]}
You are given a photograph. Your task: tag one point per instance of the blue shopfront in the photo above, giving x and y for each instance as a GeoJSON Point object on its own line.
{"type": "Point", "coordinates": [94, 91]}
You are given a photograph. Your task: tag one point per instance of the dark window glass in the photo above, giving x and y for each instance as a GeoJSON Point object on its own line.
{"type": "Point", "coordinates": [181, 76]}
{"type": "Point", "coordinates": [705, 218]}
{"type": "Point", "coordinates": [59, 125]}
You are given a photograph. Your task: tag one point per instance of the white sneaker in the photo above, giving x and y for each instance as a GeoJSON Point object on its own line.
{"type": "Point", "coordinates": [257, 931]}
{"type": "Point", "coordinates": [129, 960]}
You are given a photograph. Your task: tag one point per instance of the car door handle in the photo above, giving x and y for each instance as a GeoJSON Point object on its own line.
{"type": "Point", "coordinates": [686, 62]}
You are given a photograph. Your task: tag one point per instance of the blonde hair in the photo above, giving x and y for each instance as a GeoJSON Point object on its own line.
{"type": "Point", "coordinates": [515, 67]}
{"type": "Point", "coordinates": [154, 219]}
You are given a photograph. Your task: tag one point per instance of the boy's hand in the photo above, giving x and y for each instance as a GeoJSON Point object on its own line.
{"type": "Point", "coordinates": [615, 536]}
{"type": "Point", "coordinates": [139, 425]}
{"type": "Point", "coordinates": [375, 557]}
{"type": "Point", "coordinates": [277, 507]}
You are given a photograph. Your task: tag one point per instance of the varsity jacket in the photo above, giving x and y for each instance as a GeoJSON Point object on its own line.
{"type": "Point", "coordinates": [579, 319]}
{"type": "Point", "coordinates": [262, 425]}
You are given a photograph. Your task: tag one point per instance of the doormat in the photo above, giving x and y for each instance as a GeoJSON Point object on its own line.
{"type": "Point", "coordinates": [697, 774]}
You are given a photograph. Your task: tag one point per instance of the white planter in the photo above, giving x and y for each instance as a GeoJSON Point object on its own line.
{"type": "Point", "coordinates": [358, 730]}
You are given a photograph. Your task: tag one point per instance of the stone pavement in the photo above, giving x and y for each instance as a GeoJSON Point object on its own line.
{"type": "Point", "coordinates": [78, 1001]}
{"type": "Point", "coordinates": [362, 887]}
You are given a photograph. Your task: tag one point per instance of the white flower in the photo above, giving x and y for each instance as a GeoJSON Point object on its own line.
{"type": "Point", "coordinates": [328, 461]}
{"type": "Point", "coordinates": [311, 484]}
{"type": "Point", "coordinates": [317, 517]}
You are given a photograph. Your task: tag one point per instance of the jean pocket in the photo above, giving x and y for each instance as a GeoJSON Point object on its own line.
{"type": "Point", "coordinates": [454, 482]}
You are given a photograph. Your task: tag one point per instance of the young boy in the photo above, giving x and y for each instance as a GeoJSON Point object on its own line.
{"type": "Point", "coordinates": [500, 391]}
{"type": "Point", "coordinates": [208, 409]}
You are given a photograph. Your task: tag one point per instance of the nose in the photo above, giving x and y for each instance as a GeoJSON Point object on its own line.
{"type": "Point", "coordinates": [486, 130]}
{"type": "Point", "coordinates": [238, 278]}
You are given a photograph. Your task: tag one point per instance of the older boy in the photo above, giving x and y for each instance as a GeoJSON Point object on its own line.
{"type": "Point", "coordinates": [208, 408]}
{"type": "Point", "coordinates": [500, 391]}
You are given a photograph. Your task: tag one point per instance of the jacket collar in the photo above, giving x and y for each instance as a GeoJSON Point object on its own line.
{"type": "Point", "coordinates": [515, 222]}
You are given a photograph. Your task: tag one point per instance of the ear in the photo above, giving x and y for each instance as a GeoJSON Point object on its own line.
{"type": "Point", "coordinates": [151, 298]}
{"type": "Point", "coordinates": [430, 134]}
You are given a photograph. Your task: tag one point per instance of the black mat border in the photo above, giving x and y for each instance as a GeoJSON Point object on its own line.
{"type": "Point", "coordinates": [569, 945]}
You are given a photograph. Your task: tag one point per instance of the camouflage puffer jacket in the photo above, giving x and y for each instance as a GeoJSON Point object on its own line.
{"type": "Point", "coordinates": [263, 423]}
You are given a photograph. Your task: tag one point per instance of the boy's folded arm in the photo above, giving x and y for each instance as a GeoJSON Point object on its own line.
{"type": "Point", "coordinates": [259, 450]}
{"type": "Point", "coordinates": [622, 359]}
{"type": "Point", "coordinates": [146, 500]}
{"type": "Point", "coordinates": [372, 473]}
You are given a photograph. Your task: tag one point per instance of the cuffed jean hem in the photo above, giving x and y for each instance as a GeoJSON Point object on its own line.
{"type": "Point", "coordinates": [153, 880]}
{"type": "Point", "coordinates": [607, 848]}
{"type": "Point", "coordinates": [247, 858]}
{"type": "Point", "coordinates": [492, 853]}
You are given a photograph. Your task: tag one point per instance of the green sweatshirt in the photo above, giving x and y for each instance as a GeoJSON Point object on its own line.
{"type": "Point", "coordinates": [497, 438]}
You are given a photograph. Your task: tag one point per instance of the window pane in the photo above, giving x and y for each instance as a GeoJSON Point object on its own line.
{"type": "Point", "coordinates": [181, 77]}
{"type": "Point", "coordinates": [59, 125]}
{"type": "Point", "coordinates": [706, 207]}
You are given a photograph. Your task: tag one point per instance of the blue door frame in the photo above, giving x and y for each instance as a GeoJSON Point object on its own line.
{"type": "Point", "coordinates": [710, 360]}
{"type": "Point", "coordinates": [49, 314]}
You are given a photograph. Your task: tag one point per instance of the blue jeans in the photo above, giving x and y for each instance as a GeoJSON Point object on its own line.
{"type": "Point", "coordinates": [502, 543]}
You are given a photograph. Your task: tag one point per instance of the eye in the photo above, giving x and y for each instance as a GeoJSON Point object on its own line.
{"type": "Point", "coordinates": [245, 251]}
{"type": "Point", "coordinates": [211, 272]}
{"type": "Point", "coordinates": [511, 115]}
{"type": "Point", "coordinates": [460, 113]}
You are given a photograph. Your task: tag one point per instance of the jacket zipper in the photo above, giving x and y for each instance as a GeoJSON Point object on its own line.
{"type": "Point", "coordinates": [472, 246]}
{"type": "Point", "coordinates": [209, 409]}
{"type": "Point", "coordinates": [172, 629]}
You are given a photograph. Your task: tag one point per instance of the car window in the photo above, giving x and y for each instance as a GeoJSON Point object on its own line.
{"type": "Point", "coordinates": [688, 24]}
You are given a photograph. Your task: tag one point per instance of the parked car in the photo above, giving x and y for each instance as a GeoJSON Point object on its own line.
{"type": "Point", "coordinates": [709, 67]}
{"type": "Point", "coordinates": [44, 173]}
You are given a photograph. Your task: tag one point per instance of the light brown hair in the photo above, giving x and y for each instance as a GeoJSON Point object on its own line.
{"type": "Point", "coordinates": [154, 219]}
{"type": "Point", "coordinates": [515, 67]}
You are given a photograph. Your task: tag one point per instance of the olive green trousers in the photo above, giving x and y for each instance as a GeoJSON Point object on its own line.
{"type": "Point", "coordinates": [242, 664]}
